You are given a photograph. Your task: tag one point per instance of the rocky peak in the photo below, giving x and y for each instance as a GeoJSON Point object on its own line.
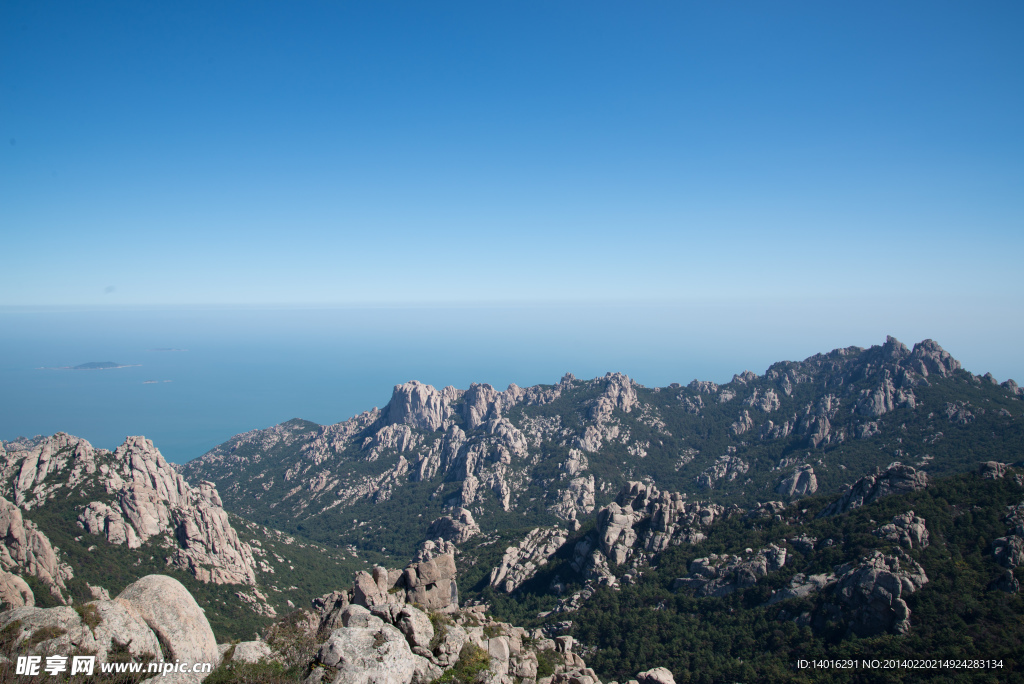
{"type": "Point", "coordinates": [483, 402]}
{"type": "Point", "coordinates": [150, 498]}
{"type": "Point", "coordinates": [641, 522]}
{"type": "Point", "coordinates": [619, 393]}
{"type": "Point", "coordinates": [871, 592]}
{"type": "Point", "coordinates": [417, 405]}
{"type": "Point", "coordinates": [929, 357]}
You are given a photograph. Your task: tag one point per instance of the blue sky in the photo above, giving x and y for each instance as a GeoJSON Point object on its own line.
{"type": "Point", "coordinates": [363, 153]}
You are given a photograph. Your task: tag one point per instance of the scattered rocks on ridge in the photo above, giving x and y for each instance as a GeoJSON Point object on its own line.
{"type": "Point", "coordinates": [721, 575]}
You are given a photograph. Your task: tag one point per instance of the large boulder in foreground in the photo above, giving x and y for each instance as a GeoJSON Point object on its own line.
{"type": "Point", "coordinates": [152, 615]}
{"type": "Point", "coordinates": [369, 655]}
{"type": "Point", "coordinates": [175, 617]}
{"type": "Point", "coordinates": [100, 627]}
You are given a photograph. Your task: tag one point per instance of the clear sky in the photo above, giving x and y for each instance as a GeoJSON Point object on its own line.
{"type": "Point", "coordinates": [330, 152]}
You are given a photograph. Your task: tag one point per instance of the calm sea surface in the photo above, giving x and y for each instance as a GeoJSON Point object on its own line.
{"type": "Point", "coordinates": [240, 369]}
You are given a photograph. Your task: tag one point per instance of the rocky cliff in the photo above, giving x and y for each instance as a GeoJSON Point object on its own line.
{"type": "Point", "coordinates": [138, 497]}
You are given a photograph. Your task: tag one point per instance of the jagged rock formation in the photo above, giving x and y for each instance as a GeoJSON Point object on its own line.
{"type": "Point", "coordinates": [1009, 550]}
{"type": "Point", "coordinates": [896, 479]}
{"type": "Point", "coordinates": [576, 500]}
{"type": "Point", "coordinates": [145, 498]}
{"type": "Point", "coordinates": [907, 530]}
{"type": "Point", "coordinates": [24, 549]}
{"type": "Point", "coordinates": [521, 562]}
{"type": "Point", "coordinates": [620, 538]}
{"type": "Point", "coordinates": [429, 583]}
{"type": "Point", "coordinates": [727, 468]}
{"type": "Point", "coordinates": [156, 610]}
{"type": "Point", "coordinates": [801, 585]}
{"type": "Point", "coordinates": [721, 575]}
{"type": "Point", "coordinates": [801, 482]}
{"type": "Point", "coordinates": [457, 528]}
{"type": "Point", "coordinates": [870, 593]}
{"type": "Point", "coordinates": [371, 633]}
{"type": "Point", "coordinates": [992, 470]}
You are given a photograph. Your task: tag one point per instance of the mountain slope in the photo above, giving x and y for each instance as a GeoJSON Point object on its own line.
{"type": "Point", "coordinates": [78, 523]}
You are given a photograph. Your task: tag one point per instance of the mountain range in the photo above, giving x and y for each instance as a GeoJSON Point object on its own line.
{"type": "Point", "coordinates": [842, 499]}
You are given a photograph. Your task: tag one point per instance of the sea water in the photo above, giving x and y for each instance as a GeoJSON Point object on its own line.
{"type": "Point", "coordinates": [194, 377]}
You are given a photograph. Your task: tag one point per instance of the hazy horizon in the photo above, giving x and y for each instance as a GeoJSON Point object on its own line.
{"type": "Point", "coordinates": [249, 368]}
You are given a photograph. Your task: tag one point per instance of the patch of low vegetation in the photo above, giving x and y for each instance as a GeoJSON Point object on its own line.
{"type": "Point", "coordinates": [440, 622]}
{"type": "Point", "coordinates": [44, 634]}
{"type": "Point", "coordinates": [473, 662]}
{"type": "Point", "coordinates": [264, 672]}
{"type": "Point", "coordinates": [90, 615]}
{"type": "Point", "coordinates": [547, 661]}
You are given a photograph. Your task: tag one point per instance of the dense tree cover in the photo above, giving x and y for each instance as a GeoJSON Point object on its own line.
{"type": "Point", "coordinates": [740, 638]}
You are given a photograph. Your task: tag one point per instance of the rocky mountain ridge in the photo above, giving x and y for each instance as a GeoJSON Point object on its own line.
{"type": "Point", "coordinates": [556, 453]}
{"type": "Point", "coordinates": [138, 496]}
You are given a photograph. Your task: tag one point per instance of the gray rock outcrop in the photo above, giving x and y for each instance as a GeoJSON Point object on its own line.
{"type": "Point", "coordinates": [896, 479]}
{"type": "Point", "coordinates": [907, 530]}
{"type": "Point", "coordinates": [726, 469]}
{"type": "Point", "coordinates": [394, 642]}
{"type": "Point", "coordinates": [147, 498]}
{"type": "Point", "coordinates": [1009, 551]}
{"type": "Point", "coordinates": [721, 575]}
{"type": "Point", "coordinates": [368, 656]}
{"type": "Point", "coordinates": [620, 538]}
{"type": "Point", "coordinates": [576, 500]}
{"type": "Point", "coordinates": [15, 592]}
{"type": "Point", "coordinates": [619, 394]}
{"type": "Point", "coordinates": [251, 652]}
{"type": "Point", "coordinates": [522, 561]}
{"type": "Point", "coordinates": [658, 675]}
{"type": "Point", "coordinates": [992, 470]}
{"type": "Point", "coordinates": [118, 622]}
{"type": "Point", "coordinates": [174, 616]}
{"type": "Point", "coordinates": [870, 593]}
{"type": "Point", "coordinates": [801, 585]}
{"type": "Point", "coordinates": [418, 405]}
{"type": "Point", "coordinates": [457, 527]}
{"type": "Point", "coordinates": [801, 482]}
{"type": "Point", "coordinates": [432, 584]}
{"type": "Point", "coordinates": [25, 549]}
{"type": "Point", "coordinates": [154, 612]}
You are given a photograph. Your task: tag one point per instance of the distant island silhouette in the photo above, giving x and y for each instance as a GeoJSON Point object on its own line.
{"type": "Point", "coordinates": [95, 365]}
